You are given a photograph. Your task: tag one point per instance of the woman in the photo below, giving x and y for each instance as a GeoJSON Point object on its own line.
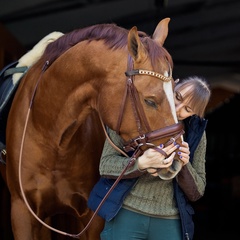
{"type": "Point", "coordinates": [153, 208]}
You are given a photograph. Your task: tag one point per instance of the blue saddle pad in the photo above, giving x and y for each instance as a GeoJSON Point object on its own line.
{"type": "Point", "coordinates": [7, 92]}
{"type": "Point", "coordinates": [7, 87]}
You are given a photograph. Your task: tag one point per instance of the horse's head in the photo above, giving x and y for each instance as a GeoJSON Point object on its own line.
{"type": "Point", "coordinates": [148, 102]}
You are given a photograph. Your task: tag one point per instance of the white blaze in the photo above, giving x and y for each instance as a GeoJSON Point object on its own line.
{"type": "Point", "coordinates": [167, 86]}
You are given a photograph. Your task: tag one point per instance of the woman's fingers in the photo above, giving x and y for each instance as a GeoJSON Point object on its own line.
{"type": "Point", "coordinates": [163, 163]}
{"type": "Point", "coordinates": [184, 153]}
{"type": "Point", "coordinates": [169, 159]}
{"type": "Point", "coordinates": [152, 159]}
{"type": "Point", "coordinates": [169, 149]}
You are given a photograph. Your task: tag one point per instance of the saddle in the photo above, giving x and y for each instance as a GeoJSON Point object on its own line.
{"type": "Point", "coordinates": [7, 91]}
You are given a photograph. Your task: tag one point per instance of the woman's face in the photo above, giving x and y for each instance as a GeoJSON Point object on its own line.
{"type": "Point", "coordinates": [183, 109]}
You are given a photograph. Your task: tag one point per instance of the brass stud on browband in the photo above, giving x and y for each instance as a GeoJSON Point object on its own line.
{"type": "Point", "coordinates": [154, 74]}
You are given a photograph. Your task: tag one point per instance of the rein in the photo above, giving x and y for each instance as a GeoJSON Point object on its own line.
{"type": "Point", "coordinates": [144, 139]}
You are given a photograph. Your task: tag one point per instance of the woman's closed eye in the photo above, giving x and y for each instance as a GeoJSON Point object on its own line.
{"type": "Point", "coordinates": [188, 109]}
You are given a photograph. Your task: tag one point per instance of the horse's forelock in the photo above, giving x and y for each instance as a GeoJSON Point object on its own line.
{"type": "Point", "coordinates": [157, 52]}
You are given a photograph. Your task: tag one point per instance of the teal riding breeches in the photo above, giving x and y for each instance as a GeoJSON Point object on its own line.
{"type": "Point", "coordinates": [128, 225]}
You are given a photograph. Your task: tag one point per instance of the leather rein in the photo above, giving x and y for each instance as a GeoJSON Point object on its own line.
{"type": "Point", "coordinates": [135, 144]}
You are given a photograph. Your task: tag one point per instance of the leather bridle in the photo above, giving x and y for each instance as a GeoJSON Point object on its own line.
{"type": "Point", "coordinates": [144, 139]}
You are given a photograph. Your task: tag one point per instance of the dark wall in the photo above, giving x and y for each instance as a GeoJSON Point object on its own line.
{"type": "Point", "coordinates": [217, 210]}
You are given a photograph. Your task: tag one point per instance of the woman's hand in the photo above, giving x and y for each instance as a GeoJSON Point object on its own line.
{"type": "Point", "coordinates": [184, 153]}
{"type": "Point", "coordinates": [151, 159]}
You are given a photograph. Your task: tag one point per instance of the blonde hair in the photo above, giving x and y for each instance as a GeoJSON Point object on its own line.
{"type": "Point", "coordinates": [198, 95]}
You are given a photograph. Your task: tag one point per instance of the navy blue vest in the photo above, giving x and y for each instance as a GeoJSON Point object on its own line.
{"type": "Point", "coordinates": [194, 129]}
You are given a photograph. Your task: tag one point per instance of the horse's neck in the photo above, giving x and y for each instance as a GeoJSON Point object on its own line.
{"type": "Point", "coordinates": [72, 85]}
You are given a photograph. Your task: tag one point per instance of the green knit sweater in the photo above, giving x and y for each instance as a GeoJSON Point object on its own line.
{"type": "Point", "coordinates": [152, 195]}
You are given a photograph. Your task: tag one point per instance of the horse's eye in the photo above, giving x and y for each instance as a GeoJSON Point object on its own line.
{"type": "Point", "coordinates": [150, 103]}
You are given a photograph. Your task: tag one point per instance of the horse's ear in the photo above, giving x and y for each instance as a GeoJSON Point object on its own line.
{"type": "Point", "coordinates": [161, 31]}
{"type": "Point", "coordinates": [135, 46]}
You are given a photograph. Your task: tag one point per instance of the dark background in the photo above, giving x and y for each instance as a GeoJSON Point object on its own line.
{"type": "Point", "coordinates": [204, 39]}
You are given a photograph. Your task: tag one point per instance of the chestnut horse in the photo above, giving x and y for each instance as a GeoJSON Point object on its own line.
{"type": "Point", "coordinates": [55, 125]}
